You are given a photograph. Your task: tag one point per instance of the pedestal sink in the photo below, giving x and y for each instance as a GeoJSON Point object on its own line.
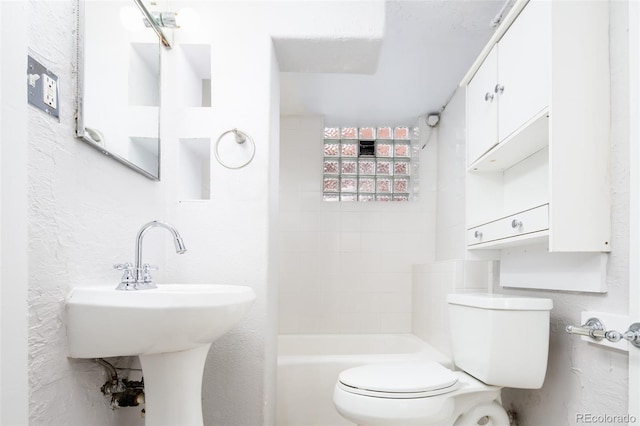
{"type": "Point", "coordinates": [170, 328]}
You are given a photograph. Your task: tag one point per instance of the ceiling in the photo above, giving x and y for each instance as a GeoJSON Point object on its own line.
{"type": "Point", "coordinates": [427, 48]}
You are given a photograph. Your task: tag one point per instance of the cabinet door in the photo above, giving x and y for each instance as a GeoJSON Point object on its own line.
{"type": "Point", "coordinates": [524, 68]}
{"type": "Point", "coordinates": [482, 109]}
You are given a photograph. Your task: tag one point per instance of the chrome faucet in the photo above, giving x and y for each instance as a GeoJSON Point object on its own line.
{"type": "Point", "coordinates": [138, 276]}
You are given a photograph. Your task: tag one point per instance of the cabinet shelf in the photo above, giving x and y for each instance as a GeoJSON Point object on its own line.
{"type": "Point", "coordinates": [525, 141]}
{"type": "Point", "coordinates": [532, 238]}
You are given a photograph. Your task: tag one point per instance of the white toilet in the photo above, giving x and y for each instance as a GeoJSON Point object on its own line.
{"type": "Point", "coordinates": [497, 341]}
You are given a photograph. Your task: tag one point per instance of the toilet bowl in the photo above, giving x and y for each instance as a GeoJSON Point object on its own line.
{"type": "Point", "coordinates": [421, 393]}
{"type": "Point", "coordinates": [496, 340]}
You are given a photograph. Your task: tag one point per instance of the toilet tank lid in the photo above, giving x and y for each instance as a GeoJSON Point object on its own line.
{"type": "Point", "coordinates": [500, 301]}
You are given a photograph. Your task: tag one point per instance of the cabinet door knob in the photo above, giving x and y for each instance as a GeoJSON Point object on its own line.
{"type": "Point", "coordinates": [488, 97]}
{"type": "Point", "coordinates": [498, 89]}
{"type": "Point", "coordinates": [516, 224]}
{"type": "Point", "coordinates": [477, 234]}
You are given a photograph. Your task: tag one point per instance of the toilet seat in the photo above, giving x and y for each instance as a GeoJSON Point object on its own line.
{"type": "Point", "coordinates": [399, 380]}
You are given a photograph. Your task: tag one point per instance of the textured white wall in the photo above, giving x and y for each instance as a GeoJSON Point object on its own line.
{"type": "Point", "coordinates": [634, 189]}
{"type": "Point", "coordinates": [2, 371]}
{"type": "Point", "coordinates": [84, 211]}
{"type": "Point", "coordinates": [13, 216]}
{"type": "Point", "coordinates": [346, 266]}
{"type": "Point", "coordinates": [581, 378]}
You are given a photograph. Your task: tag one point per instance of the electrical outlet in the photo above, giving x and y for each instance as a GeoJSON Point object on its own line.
{"type": "Point", "coordinates": [42, 88]}
{"type": "Point", "coordinates": [49, 91]}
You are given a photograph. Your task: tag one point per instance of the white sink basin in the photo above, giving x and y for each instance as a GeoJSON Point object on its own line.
{"type": "Point", "coordinates": [170, 328]}
{"type": "Point", "coordinates": [105, 322]}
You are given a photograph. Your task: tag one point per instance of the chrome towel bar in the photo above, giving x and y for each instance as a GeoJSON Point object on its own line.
{"type": "Point", "coordinates": [595, 329]}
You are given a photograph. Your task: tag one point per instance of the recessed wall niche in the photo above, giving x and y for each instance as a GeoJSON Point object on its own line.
{"type": "Point", "coordinates": [194, 169]}
{"type": "Point", "coordinates": [144, 74]}
{"type": "Point", "coordinates": [195, 75]}
{"type": "Point", "coordinates": [143, 151]}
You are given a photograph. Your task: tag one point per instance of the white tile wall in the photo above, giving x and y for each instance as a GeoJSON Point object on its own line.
{"type": "Point", "coordinates": [451, 180]}
{"type": "Point", "coordinates": [431, 285]}
{"type": "Point", "coordinates": [346, 267]}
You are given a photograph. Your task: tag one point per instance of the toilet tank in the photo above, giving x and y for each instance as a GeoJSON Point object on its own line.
{"type": "Point", "coordinates": [499, 339]}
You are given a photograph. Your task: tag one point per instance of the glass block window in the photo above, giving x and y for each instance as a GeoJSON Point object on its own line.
{"type": "Point", "coordinates": [370, 164]}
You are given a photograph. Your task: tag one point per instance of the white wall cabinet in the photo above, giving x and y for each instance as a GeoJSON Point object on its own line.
{"type": "Point", "coordinates": [482, 108]}
{"type": "Point", "coordinates": [538, 130]}
{"type": "Point", "coordinates": [512, 85]}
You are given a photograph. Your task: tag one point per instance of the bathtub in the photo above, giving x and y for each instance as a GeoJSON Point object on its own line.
{"type": "Point", "coordinates": [308, 366]}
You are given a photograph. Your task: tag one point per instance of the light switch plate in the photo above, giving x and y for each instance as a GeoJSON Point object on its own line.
{"type": "Point", "coordinates": [42, 87]}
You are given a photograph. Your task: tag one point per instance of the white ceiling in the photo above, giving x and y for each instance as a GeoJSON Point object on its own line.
{"type": "Point", "coordinates": [427, 48]}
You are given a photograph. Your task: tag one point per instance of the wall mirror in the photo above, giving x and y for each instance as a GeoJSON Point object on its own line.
{"type": "Point", "coordinates": [119, 45]}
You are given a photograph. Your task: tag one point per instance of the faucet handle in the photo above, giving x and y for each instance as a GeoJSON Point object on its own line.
{"type": "Point", "coordinates": [128, 276]}
{"type": "Point", "coordinates": [123, 266]}
{"type": "Point", "coordinates": [146, 274]}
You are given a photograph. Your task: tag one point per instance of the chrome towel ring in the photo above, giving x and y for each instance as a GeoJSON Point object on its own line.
{"type": "Point", "coordinates": [240, 138]}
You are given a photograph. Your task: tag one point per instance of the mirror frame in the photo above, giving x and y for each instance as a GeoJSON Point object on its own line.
{"type": "Point", "coordinates": [81, 132]}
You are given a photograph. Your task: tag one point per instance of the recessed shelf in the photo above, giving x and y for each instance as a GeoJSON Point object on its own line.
{"type": "Point", "coordinates": [144, 74]}
{"type": "Point", "coordinates": [194, 169]}
{"type": "Point", "coordinates": [195, 75]}
{"type": "Point", "coordinates": [143, 151]}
